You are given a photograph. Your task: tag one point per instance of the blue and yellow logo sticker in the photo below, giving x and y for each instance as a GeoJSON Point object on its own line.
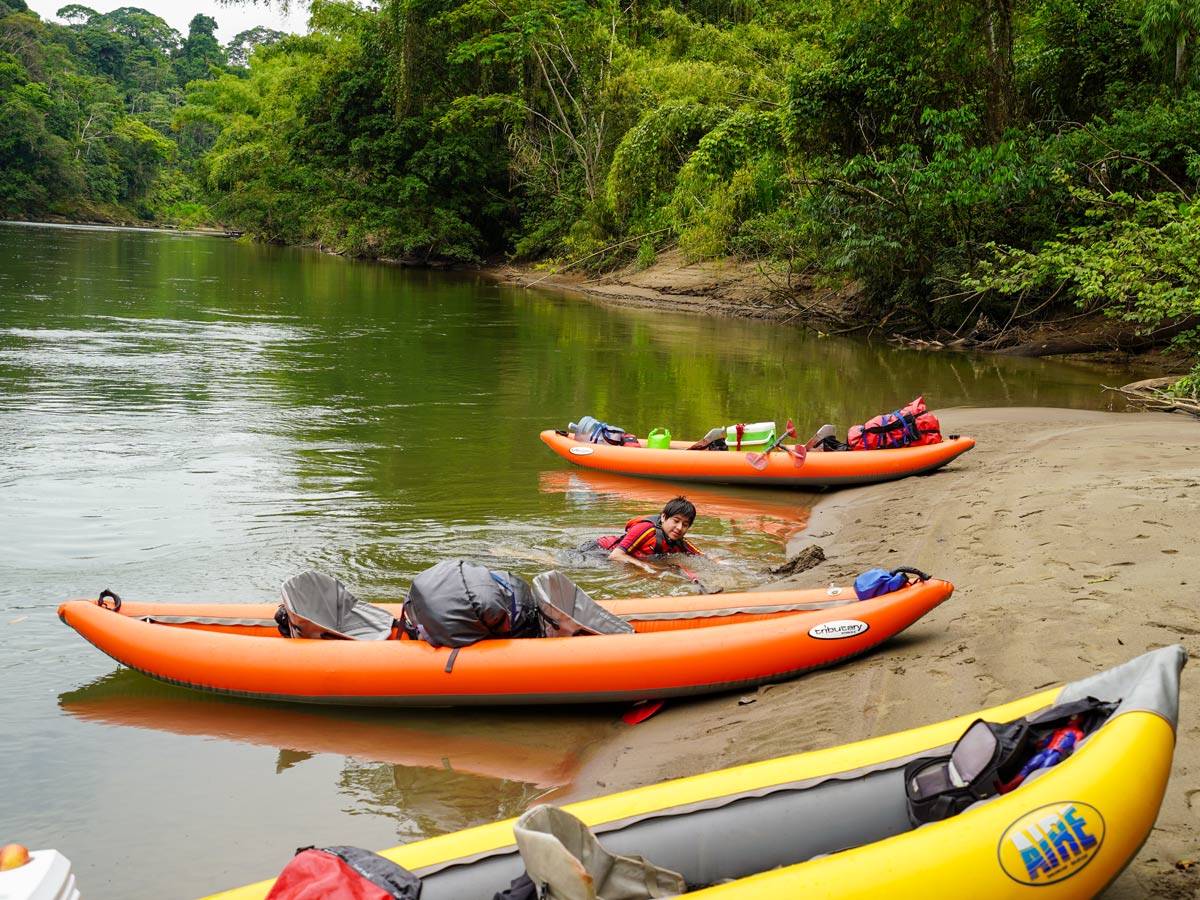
{"type": "Point", "coordinates": [1051, 843]}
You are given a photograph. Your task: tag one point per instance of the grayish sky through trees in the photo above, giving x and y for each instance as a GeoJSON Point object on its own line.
{"type": "Point", "coordinates": [231, 20]}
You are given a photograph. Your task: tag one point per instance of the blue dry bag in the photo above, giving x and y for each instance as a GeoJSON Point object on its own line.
{"type": "Point", "coordinates": [876, 582]}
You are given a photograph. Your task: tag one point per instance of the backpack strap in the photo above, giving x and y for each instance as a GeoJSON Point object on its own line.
{"type": "Point", "coordinates": [652, 531]}
{"type": "Point", "coordinates": [909, 570]}
{"type": "Point", "coordinates": [896, 420]}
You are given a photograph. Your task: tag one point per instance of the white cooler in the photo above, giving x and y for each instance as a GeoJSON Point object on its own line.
{"type": "Point", "coordinates": [47, 876]}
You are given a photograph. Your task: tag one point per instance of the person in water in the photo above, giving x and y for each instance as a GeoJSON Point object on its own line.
{"type": "Point", "coordinates": [652, 536]}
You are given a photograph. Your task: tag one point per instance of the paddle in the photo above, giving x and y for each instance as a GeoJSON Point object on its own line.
{"type": "Point", "coordinates": [691, 576]}
{"type": "Point", "coordinates": [800, 452]}
{"type": "Point", "coordinates": [708, 439]}
{"type": "Point", "coordinates": [641, 711]}
{"type": "Point", "coordinates": [759, 460]}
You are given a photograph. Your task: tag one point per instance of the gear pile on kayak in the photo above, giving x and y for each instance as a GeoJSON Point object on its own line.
{"type": "Point", "coordinates": [894, 445]}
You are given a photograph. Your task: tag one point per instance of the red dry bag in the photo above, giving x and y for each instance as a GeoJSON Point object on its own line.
{"type": "Point", "coordinates": [343, 873]}
{"type": "Point", "coordinates": [911, 426]}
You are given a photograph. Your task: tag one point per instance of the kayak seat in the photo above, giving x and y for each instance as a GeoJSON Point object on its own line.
{"type": "Point", "coordinates": [984, 761]}
{"type": "Point", "coordinates": [563, 856]}
{"type": "Point", "coordinates": [318, 606]}
{"type": "Point", "coordinates": [566, 610]}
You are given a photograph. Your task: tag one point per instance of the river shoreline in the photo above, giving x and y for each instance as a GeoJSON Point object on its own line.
{"type": "Point", "coordinates": [728, 287]}
{"type": "Point", "coordinates": [1067, 534]}
{"type": "Point", "coordinates": [749, 289]}
{"type": "Point", "coordinates": [737, 288]}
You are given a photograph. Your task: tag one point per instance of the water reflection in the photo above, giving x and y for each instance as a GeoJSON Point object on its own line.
{"type": "Point", "coordinates": [515, 745]}
{"type": "Point", "coordinates": [524, 747]}
{"type": "Point", "coordinates": [748, 514]}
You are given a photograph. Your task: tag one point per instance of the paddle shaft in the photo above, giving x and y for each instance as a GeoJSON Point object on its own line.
{"type": "Point", "coordinates": [756, 459]}
{"type": "Point", "coordinates": [691, 576]}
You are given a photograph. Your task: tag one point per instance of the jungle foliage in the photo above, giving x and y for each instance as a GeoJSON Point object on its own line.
{"type": "Point", "coordinates": [87, 111]}
{"type": "Point", "coordinates": [971, 164]}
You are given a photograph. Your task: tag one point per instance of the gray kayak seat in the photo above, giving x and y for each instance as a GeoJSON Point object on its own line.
{"type": "Point", "coordinates": [565, 861]}
{"type": "Point", "coordinates": [567, 611]}
{"type": "Point", "coordinates": [318, 606]}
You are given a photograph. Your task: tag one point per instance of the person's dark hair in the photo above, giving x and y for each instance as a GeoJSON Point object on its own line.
{"type": "Point", "coordinates": [680, 506]}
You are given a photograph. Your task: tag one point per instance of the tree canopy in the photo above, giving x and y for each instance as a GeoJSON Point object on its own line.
{"type": "Point", "coordinates": [960, 160]}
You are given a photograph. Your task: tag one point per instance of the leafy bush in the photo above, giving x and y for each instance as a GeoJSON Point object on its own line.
{"type": "Point", "coordinates": [907, 222]}
{"type": "Point", "coordinates": [648, 159]}
{"type": "Point", "coordinates": [1080, 58]}
{"type": "Point", "coordinates": [1187, 387]}
{"type": "Point", "coordinates": [1135, 260]}
{"type": "Point", "coordinates": [732, 176]}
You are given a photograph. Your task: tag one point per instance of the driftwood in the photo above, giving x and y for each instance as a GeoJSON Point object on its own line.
{"type": "Point", "coordinates": [1151, 395]}
{"type": "Point", "coordinates": [1012, 342]}
{"type": "Point", "coordinates": [1127, 340]}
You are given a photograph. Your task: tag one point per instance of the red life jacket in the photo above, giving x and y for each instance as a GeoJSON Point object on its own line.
{"type": "Point", "coordinates": [911, 426]}
{"type": "Point", "coordinates": [661, 545]}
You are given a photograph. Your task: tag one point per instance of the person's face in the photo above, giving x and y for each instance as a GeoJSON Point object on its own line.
{"type": "Point", "coordinates": [675, 527]}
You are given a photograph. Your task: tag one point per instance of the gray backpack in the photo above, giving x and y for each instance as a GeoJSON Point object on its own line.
{"type": "Point", "coordinates": [458, 602]}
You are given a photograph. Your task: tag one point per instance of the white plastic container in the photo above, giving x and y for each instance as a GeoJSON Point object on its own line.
{"type": "Point", "coordinates": [47, 876]}
{"type": "Point", "coordinates": [756, 437]}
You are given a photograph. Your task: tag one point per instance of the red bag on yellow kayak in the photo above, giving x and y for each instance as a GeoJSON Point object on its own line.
{"type": "Point", "coordinates": [343, 873]}
{"type": "Point", "coordinates": [912, 426]}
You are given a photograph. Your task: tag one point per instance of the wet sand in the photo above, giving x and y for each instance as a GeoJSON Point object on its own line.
{"type": "Point", "coordinates": [1070, 537]}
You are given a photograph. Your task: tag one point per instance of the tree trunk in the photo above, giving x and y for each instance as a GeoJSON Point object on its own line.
{"type": "Point", "coordinates": [998, 25]}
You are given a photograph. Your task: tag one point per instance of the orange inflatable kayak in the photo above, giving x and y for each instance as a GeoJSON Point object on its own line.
{"type": "Point", "coordinates": [680, 646]}
{"type": "Point", "coordinates": [820, 468]}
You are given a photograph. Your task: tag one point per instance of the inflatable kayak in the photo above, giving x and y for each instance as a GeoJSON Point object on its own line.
{"type": "Point", "coordinates": [820, 469]}
{"type": "Point", "coordinates": [680, 646]}
{"type": "Point", "coordinates": [841, 823]}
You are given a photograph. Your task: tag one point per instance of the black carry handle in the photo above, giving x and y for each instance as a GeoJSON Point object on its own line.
{"type": "Point", "coordinates": [107, 593]}
{"type": "Point", "coordinates": [909, 570]}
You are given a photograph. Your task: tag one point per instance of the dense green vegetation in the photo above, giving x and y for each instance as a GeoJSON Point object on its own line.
{"type": "Point", "coordinates": [972, 164]}
{"type": "Point", "coordinates": [87, 112]}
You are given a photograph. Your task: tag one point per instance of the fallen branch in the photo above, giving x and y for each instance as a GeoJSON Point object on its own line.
{"type": "Point", "coordinates": [1151, 396]}
{"type": "Point", "coordinates": [1126, 341]}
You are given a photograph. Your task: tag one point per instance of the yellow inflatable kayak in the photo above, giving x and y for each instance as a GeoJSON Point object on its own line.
{"type": "Point", "coordinates": [854, 821]}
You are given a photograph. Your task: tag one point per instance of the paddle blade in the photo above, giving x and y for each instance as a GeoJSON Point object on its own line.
{"type": "Point", "coordinates": [799, 455]}
{"type": "Point", "coordinates": [758, 460]}
{"type": "Point", "coordinates": [641, 711]}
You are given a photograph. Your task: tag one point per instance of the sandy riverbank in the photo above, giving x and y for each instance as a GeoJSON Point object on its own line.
{"type": "Point", "coordinates": [1070, 536]}
{"type": "Point", "coordinates": [727, 287]}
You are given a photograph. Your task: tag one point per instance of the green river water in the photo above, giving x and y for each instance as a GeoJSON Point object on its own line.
{"type": "Point", "coordinates": [192, 418]}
